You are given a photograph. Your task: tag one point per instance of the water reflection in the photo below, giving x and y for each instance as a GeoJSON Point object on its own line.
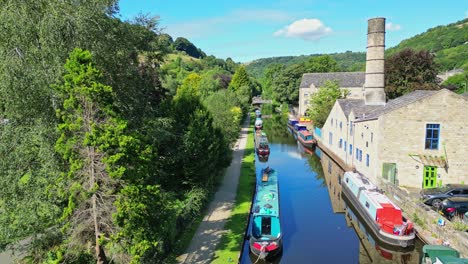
{"type": "Point", "coordinates": [318, 225]}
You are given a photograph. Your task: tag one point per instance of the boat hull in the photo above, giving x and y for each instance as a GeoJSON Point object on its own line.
{"type": "Point", "coordinates": [308, 144]}
{"type": "Point", "coordinates": [383, 237]}
{"type": "Point", "coordinates": [268, 254]}
{"type": "Point", "coordinates": [263, 152]}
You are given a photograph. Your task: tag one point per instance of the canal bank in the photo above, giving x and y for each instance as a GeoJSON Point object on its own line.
{"type": "Point", "coordinates": [211, 229]}
{"type": "Point", "coordinates": [424, 218]}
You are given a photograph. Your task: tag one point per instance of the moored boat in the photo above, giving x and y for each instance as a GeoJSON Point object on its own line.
{"type": "Point", "coordinates": [261, 143]}
{"type": "Point", "coordinates": [437, 254]}
{"type": "Point", "coordinates": [258, 123]}
{"type": "Point", "coordinates": [265, 234]}
{"type": "Point", "coordinates": [382, 215]}
{"type": "Point", "coordinates": [258, 113]}
{"type": "Point", "coordinates": [306, 139]}
{"type": "Point", "coordinates": [291, 123]}
{"type": "Point", "coordinates": [300, 127]}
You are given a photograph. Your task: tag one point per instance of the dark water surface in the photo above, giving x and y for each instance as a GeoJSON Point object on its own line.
{"type": "Point", "coordinates": [317, 224]}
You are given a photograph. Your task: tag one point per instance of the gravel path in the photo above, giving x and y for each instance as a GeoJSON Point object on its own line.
{"type": "Point", "coordinates": [208, 234]}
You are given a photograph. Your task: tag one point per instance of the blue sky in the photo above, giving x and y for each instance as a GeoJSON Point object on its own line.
{"type": "Point", "coordinates": [250, 29]}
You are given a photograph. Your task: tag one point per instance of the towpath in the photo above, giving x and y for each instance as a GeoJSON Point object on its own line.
{"type": "Point", "coordinates": [208, 234]}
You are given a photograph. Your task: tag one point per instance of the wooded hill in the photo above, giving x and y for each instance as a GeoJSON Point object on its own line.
{"type": "Point", "coordinates": [447, 42]}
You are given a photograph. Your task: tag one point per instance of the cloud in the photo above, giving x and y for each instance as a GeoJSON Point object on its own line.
{"type": "Point", "coordinates": [213, 25]}
{"type": "Point", "coordinates": [392, 27]}
{"type": "Point", "coordinates": [307, 29]}
{"type": "Point", "coordinates": [466, 14]}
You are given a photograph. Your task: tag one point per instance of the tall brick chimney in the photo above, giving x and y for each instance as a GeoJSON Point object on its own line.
{"type": "Point", "coordinates": [375, 62]}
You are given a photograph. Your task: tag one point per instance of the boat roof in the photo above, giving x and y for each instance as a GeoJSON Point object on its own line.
{"type": "Point", "coordinates": [305, 133]}
{"type": "Point", "coordinates": [266, 198]}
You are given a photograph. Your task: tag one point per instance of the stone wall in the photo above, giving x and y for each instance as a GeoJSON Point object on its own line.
{"type": "Point", "coordinates": [426, 222]}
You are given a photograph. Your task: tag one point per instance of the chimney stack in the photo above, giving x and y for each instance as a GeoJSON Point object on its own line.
{"type": "Point", "coordinates": [375, 62]}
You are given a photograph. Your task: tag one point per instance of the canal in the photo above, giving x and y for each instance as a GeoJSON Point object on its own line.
{"type": "Point", "coordinates": [318, 225]}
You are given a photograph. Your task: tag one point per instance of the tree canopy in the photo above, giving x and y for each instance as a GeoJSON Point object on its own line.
{"type": "Point", "coordinates": [321, 103]}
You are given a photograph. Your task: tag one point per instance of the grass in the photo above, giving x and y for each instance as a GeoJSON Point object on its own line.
{"type": "Point", "coordinates": [230, 245]}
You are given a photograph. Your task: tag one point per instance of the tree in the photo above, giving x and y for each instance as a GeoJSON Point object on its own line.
{"type": "Point", "coordinates": [239, 79]}
{"type": "Point", "coordinates": [407, 71]}
{"type": "Point", "coordinates": [270, 74]}
{"type": "Point", "coordinates": [324, 63]}
{"type": "Point", "coordinates": [183, 44]}
{"type": "Point", "coordinates": [93, 142]}
{"type": "Point", "coordinates": [285, 87]}
{"type": "Point", "coordinates": [321, 103]}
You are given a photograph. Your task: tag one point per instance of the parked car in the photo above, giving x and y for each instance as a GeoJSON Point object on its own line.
{"type": "Point", "coordinates": [435, 196]}
{"type": "Point", "coordinates": [451, 207]}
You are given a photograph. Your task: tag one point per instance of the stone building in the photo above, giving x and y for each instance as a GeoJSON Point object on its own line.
{"type": "Point", "coordinates": [311, 82]}
{"type": "Point", "coordinates": [415, 140]}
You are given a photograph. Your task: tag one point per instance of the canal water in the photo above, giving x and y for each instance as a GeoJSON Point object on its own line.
{"type": "Point", "coordinates": [318, 225]}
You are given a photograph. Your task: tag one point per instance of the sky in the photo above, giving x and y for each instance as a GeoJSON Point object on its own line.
{"type": "Point", "coordinates": [245, 30]}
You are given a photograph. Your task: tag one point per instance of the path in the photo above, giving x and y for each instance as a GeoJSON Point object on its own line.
{"type": "Point", "coordinates": [208, 234]}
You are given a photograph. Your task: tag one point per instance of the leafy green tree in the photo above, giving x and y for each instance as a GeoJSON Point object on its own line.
{"type": "Point", "coordinates": [285, 87]}
{"type": "Point", "coordinates": [321, 103]}
{"type": "Point", "coordinates": [271, 73]}
{"type": "Point", "coordinates": [407, 71]}
{"type": "Point", "coordinates": [93, 142]}
{"type": "Point", "coordinates": [239, 79]}
{"type": "Point", "coordinates": [324, 63]}
{"type": "Point", "coordinates": [183, 44]}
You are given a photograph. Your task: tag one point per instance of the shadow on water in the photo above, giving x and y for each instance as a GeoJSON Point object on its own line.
{"type": "Point", "coordinates": [318, 225]}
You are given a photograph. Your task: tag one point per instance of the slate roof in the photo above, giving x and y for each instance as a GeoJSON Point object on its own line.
{"type": "Point", "coordinates": [393, 104]}
{"type": "Point", "coordinates": [358, 106]}
{"type": "Point", "coordinates": [345, 79]}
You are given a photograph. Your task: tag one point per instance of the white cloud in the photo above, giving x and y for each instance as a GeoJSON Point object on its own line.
{"type": "Point", "coordinates": [392, 27]}
{"type": "Point", "coordinates": [466, 14]}
{"type": "Point", "coordinates": [307, 29]}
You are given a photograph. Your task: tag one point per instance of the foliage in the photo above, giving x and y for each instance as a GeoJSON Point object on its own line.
{"type": "Point", "coordinates": [459, 82]}
{"type": "Point", "coordinates": [446, 42]}
{"type": "Point", "coordinates": [183, 44]}
{"type": "Point", "coordinates": [324, 63]}
{"type": "Point", "coordinates": [321, 103]}
{"type": "Point", "coordinates": [409, 70]}
{"type": "Point", "coordinates": [285, 88]}
{"type": "Point", "coordinates": [227, 115]}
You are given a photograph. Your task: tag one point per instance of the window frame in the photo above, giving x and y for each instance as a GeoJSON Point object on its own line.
{"type": "Point", "coordinates": [431, 142]}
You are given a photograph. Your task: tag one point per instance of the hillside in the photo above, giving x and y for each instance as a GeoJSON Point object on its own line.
{"type": "Point", "coordinates": [449, 43]}
{"type": "Point", "coordinates": [347, 61]}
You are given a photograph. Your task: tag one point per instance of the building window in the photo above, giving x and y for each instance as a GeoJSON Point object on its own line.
{"type": "Point", "coordinates": [332, 121]}
{"type": "Point", "coordinates": [367, 160]}
{"type": "Point", "coordinates": [432, 136]}
{"type": "Point", "coordinates": [357, 154]}
{"type": "Point", "coordinates": [306, 94]}
{"type": "Point", "coordinates": [367, 144]}
{"type": "Point", "coordinates": [340, 143]}
{"type": "Point", "coordinates": [341, 126]}
{"type": "Point", "coordinates": [351, 128]}
{"type": "Point", "coordinates": [330, 137]}
{"type": "Point", "coordinates": [371, 137]}
{"type": "Point", "coordinates": [351, 149]}
{"type": "Point", "coordinates": [344, 146]}
{"type": "Point", "coordinates": [360, 155]}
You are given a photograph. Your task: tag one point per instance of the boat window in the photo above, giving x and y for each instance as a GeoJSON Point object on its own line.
{"type": "Point", "coordinates": [367, 204]}
{"type": "Point", "coordinates": [266, 225]}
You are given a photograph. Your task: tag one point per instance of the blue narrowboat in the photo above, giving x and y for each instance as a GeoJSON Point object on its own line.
{"type": "Point", "coordinates": [266, 239]}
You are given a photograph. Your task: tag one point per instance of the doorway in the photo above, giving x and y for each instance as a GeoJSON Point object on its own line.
{"type": "Point", "coordinates": [429, 177]}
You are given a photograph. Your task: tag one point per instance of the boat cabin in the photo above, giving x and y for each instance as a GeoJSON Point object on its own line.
{"type": "Point", "coordinates": [305, 135]}
{"type": "Point", "coordinates": [299, 127]}
{"type": "Point", "coordinates": [292, 122]}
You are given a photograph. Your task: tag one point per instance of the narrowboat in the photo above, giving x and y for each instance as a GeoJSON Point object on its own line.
{"type": "Point", "coordinates": [380, 213]}
{"type": "Point", "coordinates": [261, 143]}
{"type": "Point", "coordinates": [263, 158]}
{"type": "Point", "coordinates": [258, 113]}
{"type": "Point", "coordinates": [265, 237]}
{"type": "Point", "coordinates": [300, 127]}
{"type": "Point", "coordinates": [258, 123]}
{"type": "Point", "coordinates": [433, 254]}
{"type": "Point", "coordinates": [306, 139]}
{"type": "Point", "coordinates": [291, 123]}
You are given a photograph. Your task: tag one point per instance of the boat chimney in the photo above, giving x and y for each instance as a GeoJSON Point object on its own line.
{"type": "Point", "coordinates": [374, 86]}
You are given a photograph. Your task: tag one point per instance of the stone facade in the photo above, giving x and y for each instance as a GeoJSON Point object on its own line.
{"type": "Point", "coordinates": [353, 82]}
{"type": "Point", "coordinates": [367, 137]}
